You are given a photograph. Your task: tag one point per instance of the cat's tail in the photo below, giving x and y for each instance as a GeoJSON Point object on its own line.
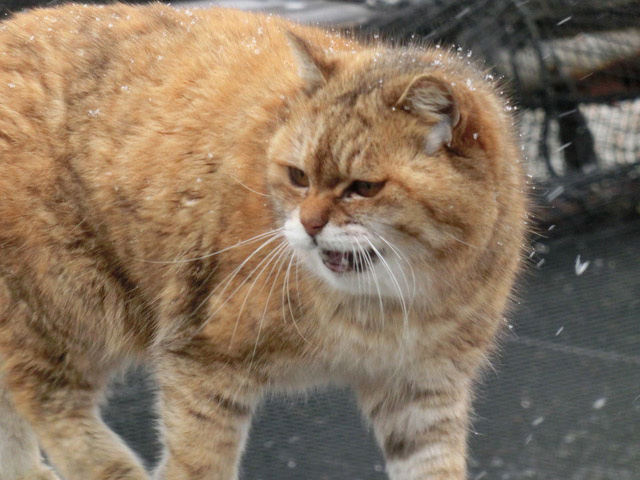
{"type": "Point", "coordinates": [20, 457]}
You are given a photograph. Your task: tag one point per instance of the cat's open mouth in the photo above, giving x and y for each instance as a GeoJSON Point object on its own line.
{"type": "Point", "coordinates": [344, 262]}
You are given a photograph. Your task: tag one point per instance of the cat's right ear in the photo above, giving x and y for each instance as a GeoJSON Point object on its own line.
{"type": "Point", "coordinates": [432, 99]}
{"type": "Point", "coordinates": [313, 67]}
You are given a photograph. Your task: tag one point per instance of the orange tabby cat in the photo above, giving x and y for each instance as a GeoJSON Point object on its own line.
{"type": "Point", "coordinates": [248, 206]}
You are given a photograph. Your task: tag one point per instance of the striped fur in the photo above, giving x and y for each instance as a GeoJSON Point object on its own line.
{"type": "Point", "coordinates": [247, 206]}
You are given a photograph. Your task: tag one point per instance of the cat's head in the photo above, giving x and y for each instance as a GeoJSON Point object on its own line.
{"type": "Point", "coordinates": [393, 169]}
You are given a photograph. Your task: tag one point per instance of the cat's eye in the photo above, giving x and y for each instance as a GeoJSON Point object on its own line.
{"type": "Point", "coordinates": [366, 189]}
{"type": "Point", "coordinates": [298, 177]}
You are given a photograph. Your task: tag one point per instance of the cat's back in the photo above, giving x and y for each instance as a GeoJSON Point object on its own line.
{"type": "Point", "coordinates": [59, 66]}
{"type": "Point", "coordinates": [85, 90]}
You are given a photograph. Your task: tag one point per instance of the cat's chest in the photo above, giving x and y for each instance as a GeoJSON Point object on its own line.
{"type": "Point", "coordinates": [348, 353]}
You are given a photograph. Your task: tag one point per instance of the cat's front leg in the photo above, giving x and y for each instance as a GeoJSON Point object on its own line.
{"type": "Point", "coordinates": [421, 430]}
{"type": "Point", "coordinates": [20, 457]}
{"type": "Point", "coordinates": [206, 408]}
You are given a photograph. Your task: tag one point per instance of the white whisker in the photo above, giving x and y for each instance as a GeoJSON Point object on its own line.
{"type": "Point", "coordinates": [281, 258]}
{"type": "Point", "coordinates": [239, 244]}
{"type": "Point", "coordinates": [288, 290]}
{"type": "Point", "coordinates": [227, 281]}
{"type": "Point", "coordinates": [358, 268]}
{"type": "Point", "coordinates": [264, 263]}
{"type": "Point", "coordinates": [393, 279]}
{"type": "Point", "coordinates": [375, 279]}
{"type": "Point", "coordinates": [401, 256]}
{"type": "Point", "coordinates": [298, 280]}
{"type": "Point", "coordinates": [451, 235]}
{"type": "Point", "coordinates": [245, 186]}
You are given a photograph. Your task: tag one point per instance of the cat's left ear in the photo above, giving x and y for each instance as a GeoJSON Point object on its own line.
{"type": "Point", "coordinates": [432, 99]}
{"type": "Point", "coordinates": [313, 67]}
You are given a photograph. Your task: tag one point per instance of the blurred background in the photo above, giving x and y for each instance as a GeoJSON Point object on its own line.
{"type": "Point", "coordinates": [563, 401]}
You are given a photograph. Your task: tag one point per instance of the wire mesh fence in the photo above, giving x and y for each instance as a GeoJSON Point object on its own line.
{"type": "Point", "coordinates": [573, 68]}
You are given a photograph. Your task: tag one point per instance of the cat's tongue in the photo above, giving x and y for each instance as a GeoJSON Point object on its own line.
{"type": "Point", "coordinates": [342, 262]}
{"type": "Point", "coordinates": [337, 261]}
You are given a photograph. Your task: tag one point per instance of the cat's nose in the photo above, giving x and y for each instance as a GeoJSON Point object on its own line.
{"type": "Point", "coordinates": [313, 225]}
{"type": "Point", "coordinates": [314, 214]}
